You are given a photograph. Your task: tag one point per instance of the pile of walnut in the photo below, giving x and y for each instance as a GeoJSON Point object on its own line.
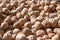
{"type": "Point", "coordinates": [29, 20]}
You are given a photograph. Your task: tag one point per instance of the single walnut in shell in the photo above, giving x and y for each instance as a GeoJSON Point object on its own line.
{"type": "Point", "coordinates": [4, 25]}
{"type": "Point", "coordinates": [27, 31]}
{"type": "Point", "coordinates": [6, 10]}
{"type": "Point", "coordinates": [40, 33]}
{"type": "Point", "coordinates": [7, 36]}
{"type": "Point", "coordinates": [21, 36]}
{"type": "Point", "coordinates": [31, 37]}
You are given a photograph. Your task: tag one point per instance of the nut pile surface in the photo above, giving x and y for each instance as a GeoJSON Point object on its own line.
{"type": "Point", "coordinates": [29, 20]}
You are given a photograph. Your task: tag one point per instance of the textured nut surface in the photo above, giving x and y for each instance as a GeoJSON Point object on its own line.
{"type": "Point", "coordinates": [4, 25]}
{"type": "Point", "coordinates": [40, 33]}
{"type": "Point", "coordinates": [31, 37]}
{"type": "Point", "coordinates": [20, 36]}
{"type": "Point", "coordinates": [56, 37]}
{"type": "Point", "coordinates": [27, 31]}
{"type": "Point", "coordinates": [7, 36]}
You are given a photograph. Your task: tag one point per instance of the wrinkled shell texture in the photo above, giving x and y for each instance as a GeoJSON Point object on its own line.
{"type": "Point", "coordinates": [29, 19]}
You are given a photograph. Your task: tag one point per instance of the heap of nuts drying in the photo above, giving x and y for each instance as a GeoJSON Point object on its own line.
{"type": "Point", "coordinates": [29, 20]}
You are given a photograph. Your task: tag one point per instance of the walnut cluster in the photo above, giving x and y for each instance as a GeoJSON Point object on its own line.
{"type": "Point", "coordinates": [29, 20]}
